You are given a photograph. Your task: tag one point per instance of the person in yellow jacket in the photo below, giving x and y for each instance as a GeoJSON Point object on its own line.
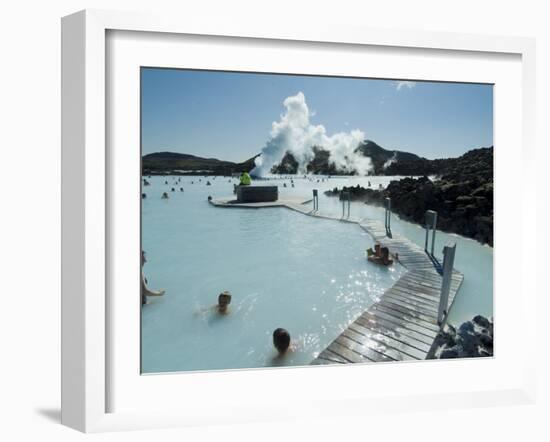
{"type": "Point", "coordinates": [245, 179]}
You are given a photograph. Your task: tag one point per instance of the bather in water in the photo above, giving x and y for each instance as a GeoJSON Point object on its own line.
{"type": "Point", "coordinates": [146, 291]}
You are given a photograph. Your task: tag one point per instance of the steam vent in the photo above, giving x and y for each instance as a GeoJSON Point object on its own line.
{"type": "Point", "coordinates": [257, 194]}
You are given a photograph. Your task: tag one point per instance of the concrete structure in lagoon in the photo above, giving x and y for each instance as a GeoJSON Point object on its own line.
{"type": "Point", "coordinates": [257, 194]}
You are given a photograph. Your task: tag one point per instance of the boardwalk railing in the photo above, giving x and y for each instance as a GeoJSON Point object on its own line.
{"type": "Point", "coordinates": [346, 204]}
{"type": "Point", "coordinates": [315, 200]}
{"type": "Point", "coordinates": [448, 262]}
{"type": "Point", "coordinates": [387, 219]}
{"type": "Point", "coordinates": [431, 224]}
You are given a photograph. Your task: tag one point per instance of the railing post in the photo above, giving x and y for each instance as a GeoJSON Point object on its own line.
{"type": "Point", "coordinates": [315, 200]}
{"type": "Point", "coordinates": [434, 225]}
{"type": "Point", "coordinates": [448, 263]}
{"type": "Point", "coordinates": [431, 221]}
{"type": "Point", "coordinates": [387, 219]}
{"type": "Point", "coordinates": [345, 198]}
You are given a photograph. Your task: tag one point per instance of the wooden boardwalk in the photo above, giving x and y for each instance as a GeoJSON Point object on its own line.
{"type": "Point", "coordinates": [403, 324]}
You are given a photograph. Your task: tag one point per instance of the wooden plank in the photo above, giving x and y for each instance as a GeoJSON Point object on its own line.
{"type": "Point", "coordinates": [346, 353]}
{"type": "Point", "coordinates": [431, 277]}
{"type": "Point", "coordinates": [417, 288]}
{"type": "Point", "coordinates": [400, 331]}
{"type": "Point", "coordinates": [432, 281]}
{"type": "Point", "coordinates": [432, 308]}
{"type": "Point", "coordinates": [406, 317]}
{"type": "Point", "coordinates": [429, 301]}
{"type": "Point", "coordinates": [409, 312]}
{"type": "Point", "coordinates": [322, 361]}
{"type": "Point", "coordinates": [373, 350]}
{"type": "Point", "coordinates": [407, 297]}
{"type": "Point", "coordinates": [392, 351]}
{"type": "Point", "coordinates": [422, 282]}
{"type": "Point", "coordinates": [330, 356]}
{"type": "Point", "coordinates": [381, 315]}
{"type": "Point", "coordinates": [426, 297]}
{"type": "Point", "coordinates": [420, 291]}
{"type": "Point", "coordinates": [391, 337]}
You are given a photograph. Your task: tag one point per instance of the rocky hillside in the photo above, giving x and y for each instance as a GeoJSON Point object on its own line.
{"type": "Point", "coordinates": [184, 164]}
{"type": "Point", "coordinates": [462, 196]}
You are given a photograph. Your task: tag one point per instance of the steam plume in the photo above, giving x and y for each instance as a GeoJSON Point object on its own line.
{"type": "Point", "coordinates": [390, 161]}
{"type": "Point", "coordinates": [294, 133]}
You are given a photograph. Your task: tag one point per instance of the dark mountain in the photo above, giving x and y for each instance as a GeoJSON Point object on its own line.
{"type": "Point", "coordinates": [380, 157]}
{"type": "Point", "coordinates": [185, 164]}
{"type": "Point", "coordinates": [385, 162]}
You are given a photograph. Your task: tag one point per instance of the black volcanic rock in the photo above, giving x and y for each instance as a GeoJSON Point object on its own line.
{"type": "Point", "coordinates": [288, 165]}
{"type": "Point", "coordinates": [462, 196]}
{"type": "Point", "coordinates": [472, 339]}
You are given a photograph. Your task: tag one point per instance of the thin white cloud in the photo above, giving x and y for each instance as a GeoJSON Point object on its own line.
{"type": "Point", "coordinates": [408, 84]}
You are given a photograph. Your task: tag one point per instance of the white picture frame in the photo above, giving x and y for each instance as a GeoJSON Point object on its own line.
{"type": "Point", "coordinates": [86, 356]}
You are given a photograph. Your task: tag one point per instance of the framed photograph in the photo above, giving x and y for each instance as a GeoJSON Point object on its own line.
{"type": "Point", "coordinates": [271, 223]}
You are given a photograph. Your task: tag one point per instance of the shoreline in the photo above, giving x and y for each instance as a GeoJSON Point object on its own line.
{"type": "Point", "coordinates": [460, 211]}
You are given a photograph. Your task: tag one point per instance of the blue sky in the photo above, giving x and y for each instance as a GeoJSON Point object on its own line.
{"type": "Point", "coordinates": [229, 115]}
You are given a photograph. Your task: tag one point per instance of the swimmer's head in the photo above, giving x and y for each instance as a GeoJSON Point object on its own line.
{"type": "Point", "coordinates": [224, 299]}
{"type": "Point", "coordinates": [281, 340]}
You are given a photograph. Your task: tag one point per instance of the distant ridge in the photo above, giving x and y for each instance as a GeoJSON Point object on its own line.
{"type": "Point", "coordinates": [186, 164]}
{"type": "Point", "coordinates": [384, 161]}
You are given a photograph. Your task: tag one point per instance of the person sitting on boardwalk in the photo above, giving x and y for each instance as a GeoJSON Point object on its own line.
{"type": "Point", "coordinates": [281, 340]}
{"type": "Point", "coordinates": [145, 291]}
{"type": "Point", "coordinates": [245, 179]}
{"type": "Point", "coordinates": [224, 299]}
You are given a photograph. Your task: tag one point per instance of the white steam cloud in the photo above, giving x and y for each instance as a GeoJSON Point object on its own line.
{"type": "Point", "coordinates": [295, 134]}
{"type": "Point", "coordinates": [390, 161]}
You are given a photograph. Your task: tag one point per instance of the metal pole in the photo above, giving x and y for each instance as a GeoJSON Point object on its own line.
{"type": "Point", "coordinates": [345, 199]}
{"type": "Point", "coordinates": [427, 233]}
{"type": "Point", "coordinates": [349, 204]}
{"type": "Point", "coordinates": [434, 225]}
{"type": "Point", "coordinates": [387, 205]}
{"type": "Point", "coordinates": [448, 262]}
{"type": "Point", "coordinates": [430, 218]}
{"type": "Point", "coordinates": [315, 200]}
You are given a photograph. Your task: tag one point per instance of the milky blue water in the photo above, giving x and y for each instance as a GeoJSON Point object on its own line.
{"type": "Point", "coordinates": [283, 269]}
